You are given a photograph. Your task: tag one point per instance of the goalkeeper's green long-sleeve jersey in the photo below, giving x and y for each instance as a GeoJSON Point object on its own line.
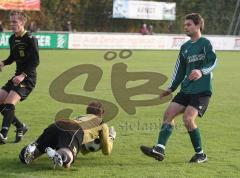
{"type": "Point", "coordinates": [194, 55]}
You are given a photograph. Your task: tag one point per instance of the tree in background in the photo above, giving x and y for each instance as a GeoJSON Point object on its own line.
{"type": "Point", "coordinates": [96, 16]}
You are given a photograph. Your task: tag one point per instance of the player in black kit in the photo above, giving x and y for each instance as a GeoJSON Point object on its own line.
{"type": "Point", "coordinates": [23, 51]}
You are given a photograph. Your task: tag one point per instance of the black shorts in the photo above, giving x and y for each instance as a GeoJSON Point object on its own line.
{"type": "Point", "coordinates": [23, 89]}
{"type": "Point", "coordinates": [198, 101]}
{"type": "Point", "coordinates": [56, 137]}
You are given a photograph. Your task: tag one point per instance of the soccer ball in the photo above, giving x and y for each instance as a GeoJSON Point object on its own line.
{"type": "Point", "coordinates": [94, 145]}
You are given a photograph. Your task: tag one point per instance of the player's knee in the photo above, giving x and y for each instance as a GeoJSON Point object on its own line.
{"type": "Point", "coordinates": [189, 123]}
{"type": "Point", "coordinates": [67, 156]}
{"type": "Point", "coordinates": [186, 120]}
{"type": "Point", "coordinates": [168, 117]}
{"type": "Point", "coordinates": [3, 95]}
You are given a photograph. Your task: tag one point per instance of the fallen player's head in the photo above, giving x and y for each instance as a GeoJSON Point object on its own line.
{"type": "Point", "coordinates": [95, 108]}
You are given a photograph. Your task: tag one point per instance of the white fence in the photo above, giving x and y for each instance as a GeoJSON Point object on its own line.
{"type": "Point", "coordinates": [137, 41]}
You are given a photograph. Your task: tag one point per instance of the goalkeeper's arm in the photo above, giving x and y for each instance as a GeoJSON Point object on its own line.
{"type": "Point", "coordinates": [107, 137]}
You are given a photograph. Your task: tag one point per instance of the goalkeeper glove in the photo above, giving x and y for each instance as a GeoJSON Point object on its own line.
{"type": "Point", "coordinates": [112, 133]}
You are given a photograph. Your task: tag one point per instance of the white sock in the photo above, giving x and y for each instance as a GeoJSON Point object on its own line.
{"type": "Point", "coordinates": [161, 146]}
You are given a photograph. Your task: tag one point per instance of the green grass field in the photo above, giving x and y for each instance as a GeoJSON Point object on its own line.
{"type": "Point", "coordinates": [219, 127]}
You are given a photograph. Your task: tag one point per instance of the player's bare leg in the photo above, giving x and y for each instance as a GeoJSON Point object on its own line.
{"type": "Point", "coordinates": [157, 151]}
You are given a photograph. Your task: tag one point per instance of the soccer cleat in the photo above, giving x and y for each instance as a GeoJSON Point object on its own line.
{"type": "Point", "coordinates": [27, 154]}
{"type": "Point", "coordinates": [154, 152]}
{"type": "Point", "coordinates": [199, 158]}
{"type": "Point", "coordinates": [20, 132]}
{"type": "Point", "coordinates": [55, 157]}
{"type": "Point", "coordinates": [3, 140]}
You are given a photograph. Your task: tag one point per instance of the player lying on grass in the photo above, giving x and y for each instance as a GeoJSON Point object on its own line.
{"type": "Point", "coordinates": [65, 138]}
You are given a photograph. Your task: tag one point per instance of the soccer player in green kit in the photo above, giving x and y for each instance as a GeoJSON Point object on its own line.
{"type": "Point", "coordinates": [193, 70]}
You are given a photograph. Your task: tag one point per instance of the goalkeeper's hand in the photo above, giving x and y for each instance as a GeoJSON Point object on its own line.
{"type": "Point", "coordinates": [112, 133]}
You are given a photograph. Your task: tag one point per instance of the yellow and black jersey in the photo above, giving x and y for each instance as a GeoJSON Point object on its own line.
{"type": "Point", "coordinates": [91, 125]}
{"type": "Point", "coordinates": [23, 51]}
{"type": "Point", "coordinates": [88, 127]}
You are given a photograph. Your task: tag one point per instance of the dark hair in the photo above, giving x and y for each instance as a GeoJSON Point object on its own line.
{"type": "Point", "coordinates": [197, 19]}
{"type": "Point", "coordinates": [20, 14]}
{"type": "Point", "coordinates": [95, 108]}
